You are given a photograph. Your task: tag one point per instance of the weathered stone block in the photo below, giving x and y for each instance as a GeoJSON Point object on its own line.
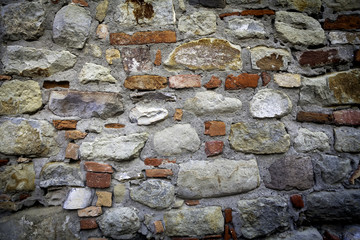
{"type": "Point", "coordinates": [271, 59]}
{"type": "Point", "coordinates": [147, 115]}
{"type": "Point", "coordinates": [347, 139]}
{"type": "Point", "coordinates": [104, 199]}
{"type": "Point", "coordinates": [311, 141]}
{"type": "Point", "coordinates": [246, 28]}
{"type": "Point", "coordinates": [139, 38]}
{"type": "Point", "coordinates": [343, 5]}
{"type": "Point", "coordinates": [18, 178]}
{"type": "Point", "coordinates": [72, 151]}
{"type": "Point", "coordinates": [288, 80]}
{"type": "Point", "coordinates": [344, 37]}
{"type": "Point", "coordinates": [78, 198]}
{"type": "Point", "coordinates": [61, 174]}
{"type": "Point", "coordinates": [95, 73]}
{"type": "Point", "coordinates": [308, 6]}
{"type": "Point", "coordinates": [145, 82]}
{"type": "Point", "coordinates": [334, 169]}
{"type": "Point", "coordinates": [198, 23]}
{"type": "Point", "coordinates": [101, 10]}
{"type": "Point", "coordinates": [326, 56]}
{"type": "Point", "coordinates": [136, 59]}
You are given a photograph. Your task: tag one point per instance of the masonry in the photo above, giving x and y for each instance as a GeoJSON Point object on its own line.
{"type": "Point", "coordinates": [180, 119]}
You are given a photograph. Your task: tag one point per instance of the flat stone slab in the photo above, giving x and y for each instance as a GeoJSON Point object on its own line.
{"type": "Point", "coordinates": [147, 115]}
{"type": "Point", "coordinates": [95, 73]}
{"type": "Point", "coordinates": [199, 23]}
{"type": "Point", "coordinates": [61, 174]}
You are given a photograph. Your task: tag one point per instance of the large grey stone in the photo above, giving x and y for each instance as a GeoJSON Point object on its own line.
{"type": "Point", "coordinates": [210, 102]}
{"type": "Point", "coordinates": [198, 23]}
{"type": "Point", "coordinates": [344, 37]}
{"type": "Point", "coordinates": [147, 114]}
{"type": "Point", "coordinates": [18, 178]}
{"type": "Point", "coordinates": [35, 62]}
{"type": "Point", "coordinates": [341, 206]}
{"type": "Point", "coordinates": [85, 104]}
{"type": "Point", "coordinates": [71, 26]}
{"type": "Point", "coordinates": [347, 139]}
{"type": "Point", "coordinates": [119, 223]}
{"type": "Point", "coordinates": [17, 97]}
{"type": "Point", "coordinates": [310, 141]}
{"type": "Point", "coordinates": [299, 234]}
{"type": "Point", "coordinates": [272, 59]}
{"type": "Point", "coordinates": [178, 139]}
{"type": "Point", "coordinates": [298, 28]}
{"type": "Point", "coordinates": [308, 6]}
{"type": "Point", "coordinates": [334, 169]}
{"type": "Point", "coordinates": [153, 193]}
{"type": "Point", "coordinates": [269, 103]}
{"type": "Point", "coordinates": [352, 233]}
{"type": "Point", "coordinates": [95, 73]}
{"type": "Point", "coordinates": [259, 137]}
{"type": "Point", "coordinates": [194, 221]}
{"type": "Point", "coordinates": [61, 174]}
{"type": "Point", "coordinates": [199, 179]}
{"type": "Point", "coordinates": [31, 138]}
{"type": "Point", "coordinates": [246, 28]}
{"type": "Point", "coordinates": [23, 20]}
{"type": "Point", "coordinates": [113, 147]}
{"type": "Point", "coordinates": [343, 5]}
{"type": "Point", "coordinates": [78, 198]}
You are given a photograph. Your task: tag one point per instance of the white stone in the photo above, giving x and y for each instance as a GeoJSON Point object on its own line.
{"type": "Point", "coordinates": [310, 141]}
{"type": "Point", "coordinates": [146, 115]}
{"type": "Point", "coordinates": [246, 28]}
{"type": "Point", "coordinates": [78, 198]}
{"type": "Point", "coordinates": [288, 80]}
{"type": "Point", "coordinates": [343, 5]}
{"type": "Point", "coordinates": [95, 73]}
{"type": "Point", "coordinates": [198, 23]}
{"type": "Point", "coordinates": [269, 58]}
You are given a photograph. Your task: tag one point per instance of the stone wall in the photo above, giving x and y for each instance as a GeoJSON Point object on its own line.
{"type": "Point", "coordinates": [180, 119]}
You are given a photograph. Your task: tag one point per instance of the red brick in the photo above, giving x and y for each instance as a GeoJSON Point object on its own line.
{"type": "Point", "coordinates": [145, 82]}
{"type": "Point", "coordinates": [98, 167]}
{"type": "Point", "coordinates": [142, 38]}
{"type": "Point", "coordinates": [98, 180]}
{"type": "Point", "coordinates": [347, 117]}
{"type": "Point", "coordinates": [89, 223]}
{"type": "Point", "coordinates": [158, 58]}
{"type": "Point", "coordinates": [228, 215]}
{"type": "Point", "coordinates": [192, 202]}
{"type": "Point", "coordinates": [214, 82]}
{"type": "Point", "coordinates": [3, 162]}
{"type": "Point", "coordinates": [185, 81]}
{"type": "Point", "coordinates": [178, 114]}
{"type": "Point", "coordinates": [215, 128]}
{"type": "Point", "coordinates": [297, 201]}
{"type": "Point", "coordinates": [5, 77]}
{"type": "Point", "coordinates": [223, 15]}
{"type": "Point", "coordinates": [75, 134]}
{"type": "Point", "coordinates": [233, 233]}
{"type": "Point", "coordinates": [357, 56]}
{"type": "Point", "coordinates": [214, 148]}
{"type": "Point", "coordinates": [319, 58]}
{"type": "Point", "coordinates": [65, 124]}
{"type": "Point", "coordinates": [114, 125]}
{"type": "Point", "coordinates": [227, 235]}
{"type": "Point", "coordinates": [157, 161]}
{"type": "Point", "coordinates": [72, 151]}
{"type": "Point", "coordinates": [53, 84]}
{"type": "Point", "coordinates": [81, 3]}
{"type": "Point", "coordinates": [260, 12]}
{"type": "Point", "coordinates": [244, 80]}
{"type": "Point", "coordinates": [343, 22]}
{"type": "Point", "coordinates": [314, 117]}
{"type": "Point", "coordinates": [355, 175]}
{"type": "Point", "coordinates": [159, 228]}
{"type": "Point", "coordinates": [329, 236]}
{"type": "Point", "coordinates": [158, 173]}
{"type": "Point", "coordinates": [266, 78]}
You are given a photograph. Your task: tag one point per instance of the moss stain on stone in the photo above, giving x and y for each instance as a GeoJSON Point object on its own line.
{"type": "Point", "coordinates": [141, 10]}
{"type": "Point", "coordinates": [346, 87]}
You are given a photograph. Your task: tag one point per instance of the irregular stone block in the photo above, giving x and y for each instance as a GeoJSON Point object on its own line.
{"type": "Point", "coordinates": [241, 81]}
{"type": "Point", "coordinates": [95, 73]}
{"type": "Point", "coordinates": [78, 198]}
{"type": "Point", "coordinates": [343, 5]}
{"type": "Point", "coordinates": [147, 115]}
{"type": "Point", "coordinates": [104, 199]}
{"type": "Point", "coordinates": [85, 104]}
{"type": "Point", "coordinates": [139, 38]}
{"type": "Point", "coordinates": [271, 59]}
{"type": "Point", "coordinates": [18, 97]}
{"type": "Point", "coordinates": [199, 179]}
{"type": "Point", "coordinates": [246, 28]}
{"type": "Point", "coordinates": [101, 10]}
{"type": "Point", "coordinates": [111, 55]}
{"type": "Point", "coordinates": [145, 82]}
{"type": "Point", "coordinates": [259, 137]}
{"type": "Point", "coordinates": [288, 80]}
{"type": "Point", "coordinates": [209, 3]}
{"type": "Point", "coordinates": [344, 37]}
{"type": "Point", "coordinates": [334, 169]}
{"type": "Point", "coordinates": [347, 139]}
{"type": "Point", "coordinates": [206, 54]}
{"type": "Point", "coordinates": [199, 23]}
{"type": "Point", "coordinates": [194, 221]}
{"type": "Point", "coordinates": [310, 141]}
{"type": "Point", "coordinates": [34, 62]}
{"type": "Point", "coordinates": [346, 22]}
{"type": "Point", "coordinates": [90, 212]}
{"type": "Point", "coordinates": [56, 196]}
{"type": "Point", "coordinates": [18, 178]}
{"type": "Point", "coordinates": [136, 59]}
{"type": "Point", "coordinates": [308, 6]}
{"type": "Point", "coordinates": [61, 174]}
{"type": "Point", "coordinates": [185, 81]}
{"type": "Point", "coordinates": [178, 139]}
{"type": "Point", "coordinates": [150, 96]}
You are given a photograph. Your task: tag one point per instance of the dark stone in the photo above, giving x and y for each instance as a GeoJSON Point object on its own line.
{"type": "Point", "coordinates": [209, 3]}
{"type": "Point", "coordinates": [319, 58]}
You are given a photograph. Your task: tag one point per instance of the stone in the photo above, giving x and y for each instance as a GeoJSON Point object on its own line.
{"type": "Point", "coordinates": [178, 114]}
{"type": "Point", "coordinates": [343, 5]}
{"type": "Point", "coordinates": [159, 228]}
{"type": "Point", "coordinates": [95, 73]}
{"type": "Point", "coordinates": [215, 128]}
{"type": "Point", "coordinates": [272, 59]}
{"type": "Point", "coordinates": [246, 28]}
{"type": "Point", "coordinates": [78, 198]}
{"type": "Point", "coordinates": [256, 12]}
{"type": "Point", "coordinates": [340, 206]}
{"type": "Point", "coordinates": [185, 81]}
{"type": "Point", "coordinates": [209, 102]}
{"type": "Point", "coordinates": [288, 80]}
{"type": "Point", "coordinates": [299, 29]}
{"type": "Point", "coordinates": [224, 15]}
{"type": "Point", "coordinates": [16, 178]}
{"type": "Point", "coordinates": [314, 117]}
{"type": "Point", "coordinates": [347, 139]}
{"type": "Point", "coordinates": [221, 177]}
{"type": "Point", "coordinates": [194, 221]}
{"type": "Point", "coordinates": [9, 206]}
{"type": "Point", "coordinates": [112, 147]}
{"type": "Point", "coordinates": [205, 54]}
{"type": "Point", "coordinates": [266, 78]}
{"type": "Point", "coordinates": [35, 62]}
{"type": "Point", "coordinates": [72, 151]}
{"type": "Point", "coordinates": [297, 201]}
{"type": "Point", "coordinates": [61, 174]}
{"type": "Point", "coordinates": [345, 86]}
{"type": "Point", "coordinates": [308, 6]}
{"type": "Point", "coordinates": [71, 26]}
{"type": "Point", "coordinates": [27, 137]}
{"type": "Point", "coordinates": [94, 50]}
{"type": "Point", "coordinates": [56, 196]}
{"type": "Point", "coordinates": [199, 23]}
{"type": "Point", "coordinates": [311, 141]}
{"type": "Point", "coordinates": [136, 59]}
{"type": "Point", "coordinates": [158, 173]}
{"type": "Point", "coordinates": [86, 104]}
{"type": "Point", "coordinates": [269, 103]}
{"type": "Point", "coordinates": [259, 137]}
{"type": "Point", "coordinates": [23, 20]}
{"type": "Point", "coordinates": [357, 56]}
{"type": "Point", "coordinates": [213, 148]}
{"type": "Point", "coordinates": [213, 83]}
{"type": "Point", "coordinates": [346, 22]}
{"type": "Point", "coordinates": [355, 175]}
{"type": "Point", "coordinates": [178, 139]}
{"type": "Point", "coordinates": [104, 199]}
{"type": "Point", "coordinates": [300, 234]}
{"type": "Point", "coordinates": [90, 212]}
{"type": "Point", "coordinates": [326, 56]}
{"type": "Point", "coordinates": [147, 115]}
{"type": "Point", "coordinates": [153, 193]}
{"type": "Point", "coordinates": [209, 3]}
{"type": "Point", "coordinates": [352, 232]}
{"type": "Point", "coordinates": [54, 84]}
{"type": "Point", "coordinates": [263, 216]}
{"type": "Point", "coordinates": [158, 58]}
{"type": "Point", "coordinates": [291, 172]}
{"type": "Point", "coordinates": [139, 38]}
{"type": "Point", "coordinates": [4, 162]}
{"type": "Point", "coordinates": [65, 124]}
{"type": "Point", "coordinates": [98, 180]}
{"type": "Point", "coordinates": [334, 169]}
{"type": "Point", "coordinates": [145, 82]}
{"type": "Point", "coordinates": [98, 167]}
{"type": "Point", "coordinates": [151, 96]}
{"type": "Point", "coordinates": [347, 117]}
{"type": "Point", "coordinates": [111, 55]}
{"type": "Point", "coordinates": [101, 10]}
{"type": "Point", "coordinates": [192, 202]}
{"type": "Point", "coordinates": [88, 223]}
{"type": "Point", "coordinates": [344, 37]}
{"type": "Point", "coordinates": [75, 134]}
{"type": "Point", "coordinates": [243, 80]}
{"type": "Point", "coordinates": [119, 221]}
{"type": "Point", "coordinates": [18, 97]}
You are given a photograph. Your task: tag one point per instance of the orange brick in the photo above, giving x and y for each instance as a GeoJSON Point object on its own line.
{"type": "Point", "coordinates": [244, 80]}
{"type": "Point", "coordinates": [98, 167]}
{"type": "Point", "coordinates": [114, 125]}
{"type": "Point", "coordinates": [75, 134]}
{"type": "Point", "coordinates": [157, 61]}
{"type": "Point", "coordinates": [142, 38]}
{"type": "Point", "coordinates": [192, 202]}
{"type": "Point", "coordinates": [158, 173]}
{"type": "Point", "coordinates": [178, 114]}
{"type": "Point", "coordinates": [258, 12]}
{"type": "Point", "coordinates": [223, 15]}
{"type": "Point", "coordinates": [314, 117]}
{"type": "Point", "coordinates": [98, 180]}
{"type": "Point", "coordinates": [81, 3]}
{"type": "Point", "coordinates": [72, 151]}
{"type": "Point", "coordinates": [5, 77]}
{"type": "Point", "coordinates": [214, 82]}
{"type": "Point", "coordinates": [145, 82]}
{"type": "Point", "coordinates": [159, 228]}
{"type": "Point", "coordinates": [297, 201]}
{"type": "Point", "coordinates": [215, 128]}
{"type": "Point", "coordinates": [65, 124]}
{"type": "Point", "coordinates": [53, 84]}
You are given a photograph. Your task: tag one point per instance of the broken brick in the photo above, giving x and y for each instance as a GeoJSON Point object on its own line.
{"type": "Point", "coordinates": [75, 134]}
{"type": "Point", "coordinates": [214, 148]}
{"type": "Point", "coordinates": [228, 215]}
{"type": "Point", "coordinates": [215, 128]}
{"type": "Point", "coordinates": [89, 223]}
{"type": "Point", "coordinates": [157, 161]}
{"type": "Point", "coordinates": [214, 82]}
{"type": "Point", "coordinates": [314, 117]}
{"type": "Point", "coordinates": [347, 117]}
{"type": "Point", "coordinates": [158, 173]}
{"type": "Point", "coordinates": [259, 12]}
{"type": "Point", "coordinates": [297, 201]}
{"type": "Point", "coordinates": [65, 124]}
{"type": "Point", "coordinates": [98, 180]}
{"type": "Point", "coordinates": [142, 38]}
{"type": "Point", "coordinates": [72, 151]}
{"type": "Point", "coordinates": [3, 162]}
{"type": "Point", "coordinates": [98, 167]}
{"type": "Point", "coordinates": [114, 125]}
{"type": "Point", "coordinates": [347, 22]}
{"type": "Point", "coordinates": [266, 78]}
{"type": "Point", "coordinates": [54, 84]}
{"type": "Point", "coordinates": [5, 77]}
{"type": "Point", "coordinates": [159, 228]}
{"type": "Point", "coordinates": [227, 235]}
{"type": "Point", "coordinates": [82, 3]}
{"type": "Point", "coordinates": [157, 61]}
{"type": "Point", "coordinates": [178, 114]}
{"type": "Point", "coordinates": [224, 15]}
{"type": "Point", "coordinates": [192, 202]}
{"type": "Point", "coordinates": [243, 80]}
{"type": "Point", "coordinates": [145, 82]}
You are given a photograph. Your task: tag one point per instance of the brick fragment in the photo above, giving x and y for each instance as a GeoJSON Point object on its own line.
{"type": "Point", "coordinates": [92, 211]}
{"type": "Point", "coordinates": [158, 173]}
{"type": "Point", "coordinates": [347, 117]}
{"type": "Point", "coordinates": [65, 124]}
{"type": "Point", "coordinates": [98, 167]}
{"type": "Point", "coordinates": [297, 201]}
{"type": "Point", "coordinates": [227, 235]}
{"type": "Point", "coordinates": [214, 148]}
{"type": "Point", "coordinates": [357, 56]}
{"type": "Point", "coordinates": [72, 151]}
{"type": "Point", "coordinates": [23, 160]}
{"type": "Point", "coordinates": [215, 128]}
{"type": "Point", "coordinates": [233, 233]}
{"type": "Point", "coordinates": [259, 12]}
{"type": "Point", "coordinates": [75, 134]}
{"type": "Point", "coordinates": [266, 78]}
{"type": "Point", "coordinates": [98, 180]}
{"type": "Point", "coordinates": [224, 15]}
{"type": "Point", "coordinates": [142, 38]}
{"type": "Point", "coordinates": [314, 117]}
{"type": "Point", "coordinates": [347, 22]}
{"type": "Point", "coordinates": [158, 58]}
{"type": "Point", "coordinates": [244, 80]}
{"type": "Point", "coordinates": [82, 3]}
{"type": "Point", "coordinates": [329, 236]}
{"type": "Point", "coordinates": [145, 82]}
{"type": "Point", "coordinates": [159, 228]}
{"type": "Point", "coordinates": [89, 223]}
{"type": "Point", "coordinates": [157, 161]}
{"type": "Point", "coordinates": [228, 215]}
{"type": "Point", "coordinates": [54, 84]}
{"type": "Point", "coordinates": [214, 82]}
{"type": "Point", "coordinates": [317, 58]}
{"type": "Point", "coordinates": [3, 162]}
{"type": "Point", "coordinates": [5, 77]}
{"type": "Point", "coordinates": [185, 81]}
{"type": "Point", "coordinates": [114, 125]}
{"type": "Point", "coordinates": [104, 199]}
{"type": "Point", "coordinates": [178, 114]}
{"type": "Point", "coordinates": [355, 175]}
{"type": "Point", "coordinates": [192, 202]}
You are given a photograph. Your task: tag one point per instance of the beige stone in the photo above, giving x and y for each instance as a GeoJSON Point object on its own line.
{"type": "Point", "coordinates": [18, 178]}
{"type": "Point", "coordinates": [101, 10]}
{"type": "Point", "coordinates": [104, 199]}
{"type": "Point", "coordinates": [90, 212]}
{"type": "Point", "coordinates": [112, 54]}
{"type": "Point", "coordinates": [102, 31]}
{"type": "Point", "coordinates": [288, 80]}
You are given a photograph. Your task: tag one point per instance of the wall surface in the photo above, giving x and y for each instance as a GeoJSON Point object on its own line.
{"type": "Point", "coordinates": [180, 119]}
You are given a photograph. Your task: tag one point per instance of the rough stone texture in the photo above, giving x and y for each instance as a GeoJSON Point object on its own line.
{"type": "Point", "coordinates": [334, 169]}
{"type": "Point", "coordinates": [300, 234]}
{"type": "Point", "coordinates": [136, 59]}
{"type": "Point", "coordinates": [246, 28]}
{"type": "Point", "coordinates": [145, 82]}
{"type": "Point", "coordinates": [204, 54]}
{"type": "Point", "coordinates": [291, 172]}
{"type": "Point", "coordinates": [61, 174]}
{"type": "Point", "coordinates": [241, 81]}
{"type": "Point", "coordinates": [35, 62]}
{"type": "Point", "coordinates": [113, 147]}
{"type": "Point", "coordinates": [147, 115]}
{"type": "Point", "coordinates": [85, 104]}
{"type": "Point", "coordinates": [259, 137]}
{"type": "Point", "coordinates": [263, 216]}
{"type": "Point", "coordinates": [55, 196]}
{"type": "Point", "coordinates": [180, 138]}
{"type": "Point", "coordinates": [18, 178]}
{"type": "Point", "coordinates": [297, 28]}
{"type": "Point", "coordinates": [119, 222]}
{"type": "Point", "coordinates": [142, 38]}
{"type": "Point", "coordinates": [268, 103]}
{"type": "Point", "coordinates": [209, 102]}
{"type": "Point", "coordinates": [153, 193]}
{"type": "Point", "coordinates": [104, 199]}
{"type": "Point", "coordinates": [347, 117]}
{"type": "Point", "coordinates": [71, 26]}
{"type": "Point", "coordinates": [215, 128]}
{"type": "Point", "coordinates": [78, 198]}
{"type": "Point", "coordinates": [209, 3]}
{"type": "Point", "coordinates": [23, 20]}
{"type": "Point", "coordinates": [65, 124]}
{"type": "Point", "coordinates": [288, 80]}
{"type": "Point", "coordinates": [90, 212]}
{"type": "Point", "coordinates": [347, 139]}
{"type": "Point", "coordinates": [213, 148]}
{"type": "Point", "coordinates": [119, 192]}
{"type": "Point", "coordinates": [311, 141]}
{"type": "Point", "coordinates": [19, 136]}
{"type": "Point", "coordinates": [199, 23]}
{"type": "Point", "coordinates": [308, 6]}
{"type": "Point", "coordinates": [352, 232]}
{"type": "Point", "coordinates": [111, 55]}
{"type": "Point", "coordinates": [101, 10]}
{"type": "Point", "coordinates": [95, 73]}
{"type": "Point", "coordinates": [194, 221]}
{"type": "Point", "coordinates": [158, 58]}
{"type": "Point", "coordinates": [185, 81]}
{"type": "Point", "coordinates": [153, 96]}
{"type": "Point", "coordinates": [345, 86]}
{"type": "Point", "coordinates": [344, 37]}
{"type": "Point", "coordinates": [17, 97]}
{"type": "Point", "coordinates": [178, 114]}
{"type": "Point", "coordinates": [199, 179]}
{"type": "Point", "coordinates": [271, 59]}
{"type": "Point", "coordinates": [343, 5]}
